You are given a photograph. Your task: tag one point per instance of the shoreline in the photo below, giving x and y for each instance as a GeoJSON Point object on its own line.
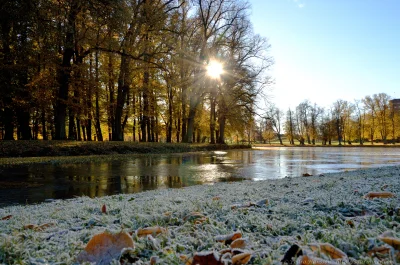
{"type": "Point", "coordinates": [303, 211]}
{"type": "Point", "coordinates": [152, 148]}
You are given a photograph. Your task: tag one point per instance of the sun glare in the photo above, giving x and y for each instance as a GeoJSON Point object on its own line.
{"type": "Point", "coordinates": [214, 69]}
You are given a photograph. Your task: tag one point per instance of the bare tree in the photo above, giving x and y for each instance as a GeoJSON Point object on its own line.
{"type": "Point", "coordinates": [274, 115]}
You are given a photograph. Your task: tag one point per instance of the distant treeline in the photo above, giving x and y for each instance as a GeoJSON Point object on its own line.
{"type": "Point", "coordinates": [374, 118]}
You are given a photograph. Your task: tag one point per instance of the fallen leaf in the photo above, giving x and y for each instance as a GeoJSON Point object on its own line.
{"type": "Point", "coordinates": [379, 250]}
{"type": "Point", "coordinates": [228, 239]}
{"type": "Point", "coordinates": [154, 230]}
{"type": "Point", "coordinates": [105, 247]}
{"type": "Point", "coordinates": [392, 241]}
{"type": "Point", "coordinates": [239, 243]}
{"type": "Point", "coordinates": [329, 250]}
{"type": "Point", "coordinates": [195, 217]}
{"type": "Point", "coordinates": [154, 260]}
{"type": "Point", "coordinates": [384, 194]}
{"type": "Point", "coordinates": [217, 198]}
{"type": "Point", "coordinates": [39, 227]}
{"type": "Point", "coordinates": [293, 252]}
{"type": "Point", "coordinates": [6, 217]}
{"type": "Point", "coordinates": [241, 258]}
{"type": "Point", "coordinates": [104, 209]}
{"type": "Point", "coordinates": [306, 260]}
{"type": "Point", "coordinates": [187, 260]}
{"type": "Point", "coordinates": [207, 258]}
{"type": "Point", "coordinates": [384, 187]}
{"type": "Point", "coordinates": [306, 175]}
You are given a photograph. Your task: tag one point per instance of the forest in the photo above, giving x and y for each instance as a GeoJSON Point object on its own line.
{"type": "Point", "coordinates": [129, 70]}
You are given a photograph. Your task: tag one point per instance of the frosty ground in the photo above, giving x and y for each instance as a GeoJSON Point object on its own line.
{"type": "Point", "coordinates": [271, 215]}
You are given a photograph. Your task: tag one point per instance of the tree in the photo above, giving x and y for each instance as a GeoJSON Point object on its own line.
{"type": "Point", "coordinates": [290, 126]}
{"type": "Point", "coordinates": [275, 116]}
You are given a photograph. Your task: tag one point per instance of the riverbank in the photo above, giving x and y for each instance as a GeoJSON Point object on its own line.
{"type": "Point", "coordinates": [54, 152]}
{"type": "Point", "coordinates": [271, 215]}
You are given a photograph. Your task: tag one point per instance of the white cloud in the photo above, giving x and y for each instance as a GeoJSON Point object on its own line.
{"type": "Point", "coordinates": [301, 5]}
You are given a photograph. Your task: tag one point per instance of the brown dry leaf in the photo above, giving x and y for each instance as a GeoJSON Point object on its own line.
{"type": "Point", "coordinates": [207, 258]}
{"type": "Point", "coordinates": [384, 194]}
{"type": "Point", "coordinates": [6, 217]}
{"type": "Point", "coordinates": [306, 175]}
{"type": "Point", "coordinates": [39, 227]}
{"type": "Point", "coordinates": [195, 217]}
{"type": "Point", "coordinates": [105, 247]}
{"type": "Point", "coordinates": [154, 230]}
{"type": "Point", "coordinates": [393, 241]}
{"type": "Point", "coordinates": [241, 258]}
{"type": "Point", "coordinates": [154, 260]}
{"type": "Point", "coordinates": [239, 243]}
{"type": "Point", "coordinates": [293, 252]}
{"type": "Point", "coordinates": [379, 250]}
{"type": "Point", "coordinates": [228, 239]}
{"type": "Point", "coordinates": [329, 250]}
{"type": "Point", "coordinates": [350, 223]}
{"type": "Point", "coordinates": [306, 260]}
{"type": "Point", "coordinates": [216, 198]}
{"type": "Point", "coordinates": [187, 260]}
{"type": "Point", "coordinates": [104, 209]}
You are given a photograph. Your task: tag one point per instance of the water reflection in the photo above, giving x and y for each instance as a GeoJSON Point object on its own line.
{"type": "Point", "coordinates": [39, 182]}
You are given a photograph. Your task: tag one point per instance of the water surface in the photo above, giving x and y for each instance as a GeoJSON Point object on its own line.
{"type": "Point", "coordinates": [36, 183]}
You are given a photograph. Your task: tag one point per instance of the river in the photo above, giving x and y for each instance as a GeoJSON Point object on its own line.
{"type": "Point", "coordinates": [37, 183]}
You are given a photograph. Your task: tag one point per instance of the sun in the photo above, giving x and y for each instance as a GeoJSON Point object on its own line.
{"type": "Point", "coordinates": [215, 69]}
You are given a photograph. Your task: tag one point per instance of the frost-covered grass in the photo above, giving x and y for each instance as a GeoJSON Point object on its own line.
{"type": "Point", "coordinates": [304, 210]}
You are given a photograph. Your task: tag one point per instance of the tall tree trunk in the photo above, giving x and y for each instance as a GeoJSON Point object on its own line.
{"type": "Point", "coordinates": [111, 109]}
{"type": "Point", "coordinates": [78, 129]}
{"type": "Point", "coordinates": [169, 123]}
{"type": "Point", "coordinates": [190, 125]}
{"type": "Point", "coordinates": [123, 91]}
{"type": "Point", "coordinates": [71, 124]}
{"type": "Point", "coordinates": [8, 122]}
{"type": "Point", "coordinates": [44, 129]}
{"type": "Point", "coordinates": [222, 122]}
{"type": "Point", "coordinates": [97, 104]}
{"type": "Point", "coordinates": [212, 118]}
{"type": "Point", "coordinates": [64, 72]}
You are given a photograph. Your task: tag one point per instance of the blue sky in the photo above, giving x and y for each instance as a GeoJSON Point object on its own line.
{"type": "Point", "coordinates": [326, 50]}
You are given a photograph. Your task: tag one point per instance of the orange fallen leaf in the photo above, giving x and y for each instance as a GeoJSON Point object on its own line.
{"type": "Point", "coordinates": [105, 247]}
{"type": "Point", "coordinates": [241, 258]}
{"type": "Point", "coordinates": [153, 230]}
{"type": "Point", "coordinates": [228, 239]}
{"type": "Point", "coordinates": [392, 241]}
{"type": "Point", "coordinates": [207, 258]}
{"type": "Point", "coordinates": [384, 194]}
{"type": "Point", "coordinates": [380, 250]}
{"type": "Point", "coordinates": [6, 217]}
{"type": "Point", "coordinates": [239, 243]}
{"type": "Point", "coordinates": [38, 227]}
{"type": "Point", "coordinates": [306, 260]}
{"type": "Point", "coordinates": [329, 250]}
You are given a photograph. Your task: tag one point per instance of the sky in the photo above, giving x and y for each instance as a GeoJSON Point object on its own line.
{"type": "Point", "coordinates": [326, 50]}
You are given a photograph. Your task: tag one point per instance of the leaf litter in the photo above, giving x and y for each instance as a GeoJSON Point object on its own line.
{"type": "Point", "coordinates": [154, 228]}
